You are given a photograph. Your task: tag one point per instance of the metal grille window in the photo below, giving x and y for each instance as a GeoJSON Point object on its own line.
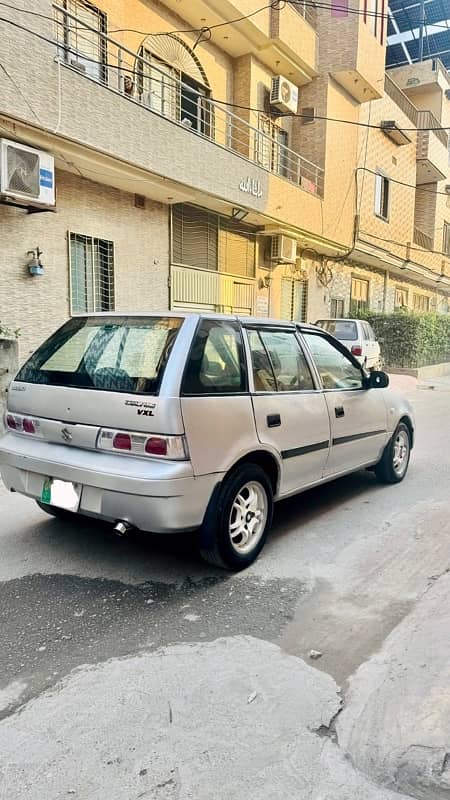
{"type": "Point", "coordinates": [446, 239]}
{"type": "Point", "coordinates": [91, 274]}
{"type": "Point", "coordinates": [359, 295]}
{"type": "Point", "coordinates": [401, 297]}
{"type": "Point", "coordinates": [207, 241]}
{"type": "Point", "coordinates": [236, 250]}
{"type": "Point", "coordinates": [337, 308]}
{"type": "Point", "coordinates": [294, 299]}
{"type": "Point", "coordinates": [382, 196]}
{"type": "Point", "coordinates": [194, 237]}
{"type": "Point", "coordinates": [421, 302]}
{"type": "Point", "coordinates": [84, 46]}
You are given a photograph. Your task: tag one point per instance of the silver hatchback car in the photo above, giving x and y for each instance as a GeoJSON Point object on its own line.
{"type": "Point", "coordinates": [177, 422]}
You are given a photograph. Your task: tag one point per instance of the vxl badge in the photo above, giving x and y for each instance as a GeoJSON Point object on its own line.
{"type": "Point", "coordinates": [66, 435]}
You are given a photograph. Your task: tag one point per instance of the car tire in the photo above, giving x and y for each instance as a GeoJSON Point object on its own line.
{"type": "Point", "coordinates": [394, 462]}
{"type": "Point", "coordinates": [54, 511]}
{"type": "Point", "coordinates": [238, 519]}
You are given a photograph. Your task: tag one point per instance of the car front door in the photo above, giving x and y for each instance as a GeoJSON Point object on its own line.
{"type": "Point", "coordinates": [290, 409]}
{"type": "Point", "coordinates": [358, 416]}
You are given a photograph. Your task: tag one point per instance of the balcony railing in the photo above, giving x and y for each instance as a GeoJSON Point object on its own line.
{"type": "Point", "coordinates": [160, 89]}
{"type": "Point", "coordinates": [423, 239]}
{"type": "Point", "coordinates": [426, 119]}
{"type": "Point", "coordinates": [400, 99]}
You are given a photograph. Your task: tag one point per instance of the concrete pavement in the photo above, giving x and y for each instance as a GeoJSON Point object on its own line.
{"type": "Point", "coordinates": [142, 672]}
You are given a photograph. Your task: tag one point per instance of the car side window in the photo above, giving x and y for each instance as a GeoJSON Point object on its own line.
{"type": "Point", "coordinates": [336, 370]}
{"type": "Point", "coordinates": [216, 361]}
{"type": "Point", "coordinates": [367, 331]}
{"type": "Point", "coordinates": [278, 362]}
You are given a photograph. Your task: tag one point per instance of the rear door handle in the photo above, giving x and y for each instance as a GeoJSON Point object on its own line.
{"type": "Point", "coordinates": [339, 411]}
{"type": "Point", "coordinates": [273, 420]}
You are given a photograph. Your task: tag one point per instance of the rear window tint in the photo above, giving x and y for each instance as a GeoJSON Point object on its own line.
{"type": "Point", "coordinates": [216, 361]}
{"type": "Point", "coordinates": [342, 329]}
{"type": "Point", "coordinates": [115, 354]}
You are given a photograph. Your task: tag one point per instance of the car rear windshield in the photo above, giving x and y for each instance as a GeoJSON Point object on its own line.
{"type": "Point", "coordinates": [342, 329]}
{"type": "Point", "coordinates": [112, 354]}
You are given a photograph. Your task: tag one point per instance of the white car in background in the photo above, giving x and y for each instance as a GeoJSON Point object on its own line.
{"type": "Point", "coordinates": [358, 336]}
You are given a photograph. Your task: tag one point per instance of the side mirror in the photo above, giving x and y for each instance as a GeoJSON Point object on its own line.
{"type": "Point", "coordinates": [380, 339]}
{"type": "Point", "coordinates": [376, 380]}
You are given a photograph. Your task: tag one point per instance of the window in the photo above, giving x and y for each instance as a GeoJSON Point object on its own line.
{"type": "Point", "coordinates": [421, 302]}
{"type": "Point", "coordinates": [169, 91]}
{"type": "Point", "coordinates": [85, 47]}
{"type": "Point", "coordinates": [308, 115]}
{"type": "Point", "coordinates": [205, 240]}
{"type": "Point", "coordinates": [117, 354]}
{"type": "Point", "coordinates": [359, 297]}
{"type": "Point", "coordinates": [278, 362]}
{"type": "Point", "coordinates": [446, 239]}
{"type": "Point", "coordinates": [294, 299]}
{"type": "Point", "coordinates": [271, 146]}
{"type": "Point", "coordinates": [216, 361]}
{"type": "Point", "coordinates": [343, 329]}
{"type": "Point", "coordinates": [91, 274]}
{"type": "Point", "coordinates": [401, 297]}
{"type": "Point", "coordinates": [382, 196]}
{"type": "Point", "coordinates": [368, 334]}
{"type": "Point", "coordinates": [337, 307]}
{"type": "Point", "coordinates": [336, 370]}
{"type": "Point", "coordinates": [237, 249]}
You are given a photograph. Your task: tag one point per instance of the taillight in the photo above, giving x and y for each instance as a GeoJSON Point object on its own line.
{"type": "Point", "coordinates": [356, 350]}
{"type": "Point", "coordinates": [156, 446]}
{"type": "Point", "coordinates": [122, 441]}
{"type": "Point", "coordinates": [143, 444]}
{"type": "Point", "coordinates": [20, 424]}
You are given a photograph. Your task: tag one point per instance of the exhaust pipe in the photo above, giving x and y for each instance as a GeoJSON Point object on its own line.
{"type": "Point", "coordinates": [121, 528]}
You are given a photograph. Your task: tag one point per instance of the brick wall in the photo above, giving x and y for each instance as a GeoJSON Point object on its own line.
{"type": "Point", "coordinates": [38, 305]}
{"type": "Point", "coordinates": [8, 368]}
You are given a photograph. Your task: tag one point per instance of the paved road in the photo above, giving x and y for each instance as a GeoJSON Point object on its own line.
{"type": "Point", "coordinates": [130, 669]}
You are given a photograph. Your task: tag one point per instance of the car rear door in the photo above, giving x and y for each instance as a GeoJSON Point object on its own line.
{"type": "Point", "coordinates": [358, 416]}
{"type": "Point", "coordinates": [289, 407]}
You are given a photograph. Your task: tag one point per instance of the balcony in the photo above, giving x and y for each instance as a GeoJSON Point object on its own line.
{"type": "Point", "coordinates": [291, 33]}
{"type": "Point", "coordinates": [423, 239]}
{"type": "Point", "coordinates": [432, 149]}
{"type": "Point", "coordinates": [158, 90]}
{"type": "Point", "coordinates": [400, 99]}
{"type": "Point", "coordinates": [291, 52]}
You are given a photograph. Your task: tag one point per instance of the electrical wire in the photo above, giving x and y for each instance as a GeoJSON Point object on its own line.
{"type": "Point", "coordinates": [403, 183]}
{"type": "Point", "coordinates": [275, 4]}
{"type": "Point", "coordinates": [213, 99]}
{"type": "Point", "coordinates": [404, 244]}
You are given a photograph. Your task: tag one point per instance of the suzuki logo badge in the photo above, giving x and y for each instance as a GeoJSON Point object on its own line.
{"type": "Point", "coordinates": [66, 435]}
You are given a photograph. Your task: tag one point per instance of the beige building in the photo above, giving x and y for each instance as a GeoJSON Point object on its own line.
{"type": "Point", "coordinates": [216, 155]}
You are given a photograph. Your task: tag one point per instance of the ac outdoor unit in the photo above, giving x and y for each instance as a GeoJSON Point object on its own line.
{"type": "Point", "coordinates": [283, 249]}
{"type": "Point", "coordinates": [284, 94]}
{"type": "Point", "coordinates": [27, 176]}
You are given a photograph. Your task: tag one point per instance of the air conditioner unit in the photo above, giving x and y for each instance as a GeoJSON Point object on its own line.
{"type": "Point", "coordinates": [283, 249]}
{"type": "Point", "coordinates": [27, 175]}
{"type": "Point", "coordinates": [283, 94]}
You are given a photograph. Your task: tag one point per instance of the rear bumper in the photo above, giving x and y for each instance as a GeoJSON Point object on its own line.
{"type": "Point", "coordinates": [161, 497]}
